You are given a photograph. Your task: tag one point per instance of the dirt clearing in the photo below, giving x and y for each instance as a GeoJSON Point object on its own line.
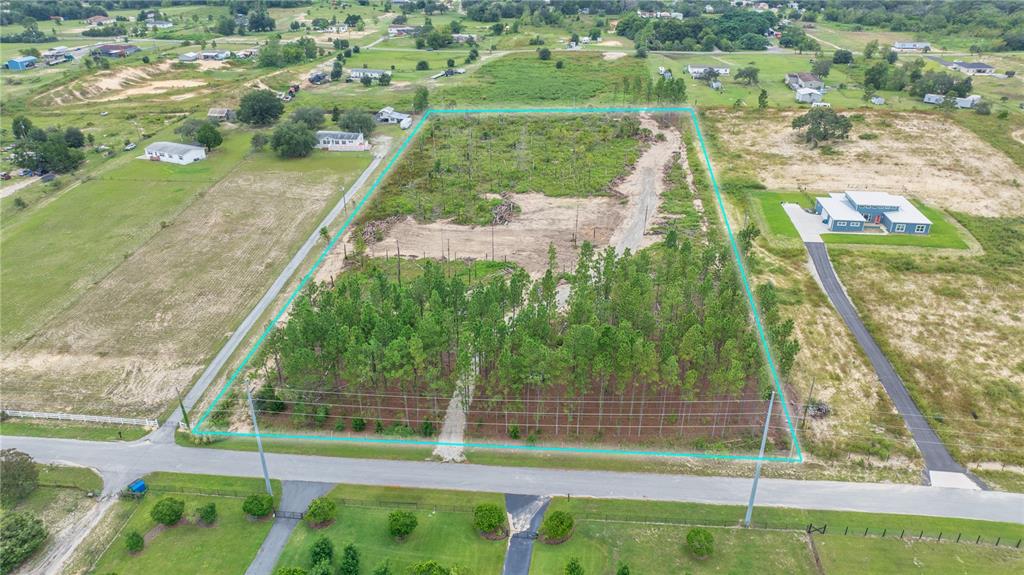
{"type": "Point", "coordinates": [612, 55]}
{"type": "Point", "coordinates": [920, 155]}
{"type": "Point", "coordinates": [622, 220]}
{"type": "Point", "coordinates": [109, 85]}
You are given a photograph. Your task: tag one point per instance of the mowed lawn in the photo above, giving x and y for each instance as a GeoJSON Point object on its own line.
{"type": "Point", "coordinates": [65, 246]}
{"type": "Point", "coordinates": [226, 547]}
{"type": "Point", "coordinates": [442, 535]}
{"type": "Point", "coordinates": [610, 533]}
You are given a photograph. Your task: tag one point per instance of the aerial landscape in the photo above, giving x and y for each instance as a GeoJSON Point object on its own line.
{"type": "Point", "coordinates": [471, 287]}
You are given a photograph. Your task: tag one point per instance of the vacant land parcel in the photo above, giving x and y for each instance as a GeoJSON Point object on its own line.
{"type": "Point", "coordinates": [612, 356]}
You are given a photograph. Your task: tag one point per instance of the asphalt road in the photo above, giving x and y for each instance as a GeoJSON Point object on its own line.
{"type": "Point", "coordinates": [166, 432]}
{"type": "Point", "coordinates": [127, 460]}
{"type": "Point", "coordinates": [936, 456]}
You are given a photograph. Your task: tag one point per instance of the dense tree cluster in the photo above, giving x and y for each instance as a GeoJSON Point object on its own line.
{"type": "Point", "coordinates": [277, 55]}
{"type": "Point", "coordinates": [734, 30]}
{"type": "Point", "coordinates": [1002, 23]}
{"type": "Point", "coordinates": [50, 150]}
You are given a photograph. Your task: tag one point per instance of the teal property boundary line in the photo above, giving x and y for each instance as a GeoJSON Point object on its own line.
{"type": "Point", "coordinates": [797, 458]}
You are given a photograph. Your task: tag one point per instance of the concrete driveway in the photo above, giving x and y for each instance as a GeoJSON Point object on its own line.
{"type": "Point", "coordinates": [808, 225]}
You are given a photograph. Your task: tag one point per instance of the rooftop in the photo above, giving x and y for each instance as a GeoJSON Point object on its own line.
{"type": "Point", "coordinates": [973, 65]}
{"type": "Point", "coordinates": [338, 135]}
{"type": "Point", "coordinates": [172, 148]}
{"type": "Point", "coordinates": [905, 212]}
{"type": "Point", "coordinates": [838, 209]}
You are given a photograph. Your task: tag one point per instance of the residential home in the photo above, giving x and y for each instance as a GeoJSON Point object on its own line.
{"type": "Point", "coordinates": [854, 211]}
{"type": "Point", "coordinates": [464, 38]}
{"type": "Point", "coordinates": [390, 116]}
{"type": "Point", "coordinates": [21, 63]}
{"type": "Point", "coordinates": [808, 96]}
{"type": "Point", "coordinates": [968, 102]}
{"type": "Point", "coordinates": [401, 31]}
{"type": "Point", "coordinates": [934, 99]}
{"type": "Point", "coordinates": [159, 24]}
{"type": "Point", "coordinates": [57, 55]}
{"type": "Point", "coordinates": [359, 73]}
{"type": "Point", "coordinates": [798, 80]}
{"type": "Point", "coordinates": [335, 141]}
{"type": "Point", "coordinates": [911, 46]}
{"type": "Point", "coordinates": [99, 20]}
{"type": "Point", "coordinates": [174, 153]}
{"type": "Point", "coordinates": [219, 115]}
{"type": "Point", "coordinates": [698, 71]}
{"type": "Point", "coordinates": [216, 55]}
{"type": "Point", "coordinates": [974, 68]}
{"type": "Point", "coordinates": [664, 72]}
{"type": "Point", "coordinates": [188, 57]}
{"type": "Point", "coordinates": [877, 100]}
{"type": "Point", "coordinates": [709, 9]}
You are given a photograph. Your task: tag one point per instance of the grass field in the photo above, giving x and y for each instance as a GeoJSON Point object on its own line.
{"type": "Point", "coordinates": [70, 430]}
{"type": "Point", "coordinates": [445, 536]}
{"type": "Point", "coordinates": [613, 532]}
{"type": "Point", "coordinates": [942, 235]}
{"type": "Point", "coordinates": [226, 547]}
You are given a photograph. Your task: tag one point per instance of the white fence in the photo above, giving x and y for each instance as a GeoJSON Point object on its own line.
{"type": "Point", "coordinates": [79, 417]}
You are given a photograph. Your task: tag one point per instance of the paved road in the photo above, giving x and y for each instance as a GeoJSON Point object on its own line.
{"type": "Point", "coordinates": [144, 457]}
{"type": "Point", "coordinates": [166, 432]}
{"type": "Point", "coordinates": [295, 498]}
{"type": "Point", "coordinates": [936, 456]}
{"type": "Point", "coordinates": [525, 514]}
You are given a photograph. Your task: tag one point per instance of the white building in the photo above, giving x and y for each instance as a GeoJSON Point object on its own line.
{"type": "Point", "coordinates": [390, 116]}
{"type": "Point", "coordinates": [974, 68]}
{"type": "Point", "coordinates": [808, 95]}
{"type": "Point", "coordinates": [698, 71]}
{"type": "Point", "coordinates": [359, 73]}
{"type": "Point", "coordinates": [188, 57]}
{"type": "Point", "coordinates": [911, 46]}
{"type": "Point", "coordinates": [334, 141]}
{"type": "Point", "coordinates": [174, 153]}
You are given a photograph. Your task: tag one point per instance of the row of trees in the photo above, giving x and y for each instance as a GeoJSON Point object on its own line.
{"type": "Point", "coordinates": [21, 532]}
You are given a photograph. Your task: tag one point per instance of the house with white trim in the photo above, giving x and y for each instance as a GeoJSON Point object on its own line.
{"type": "Point", "coordinates": [336, 141]}
{"type": "Point", "coordinates": [855, 211]}
{"type": "Point", "coordinates": [697, 71]}
{"type": "Point", "coordinates": [174, 153]}
{"type": "Point", "coordinates": [390, 116]}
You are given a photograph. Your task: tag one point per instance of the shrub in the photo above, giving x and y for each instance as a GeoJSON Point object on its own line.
{"type": "Point", "coordinates": [427, 428]}
{"type": "Point", "coordinates": [378, 427]}
{"type": "Point", "coordinates": [383, 569]}
{"type": "Point", "coordinates": [290, 571]}
{"type": "Point", "coordinates": [349, 561]}
{"type": "Point", "coordinates": [401, 524]}
{"type": "Point", "coordinates": [358, 424]}
{"type": "Point", "coordinates": [20, 535]}
{"type": "Point", "coordinates": [422, 65]}
{"type": "Point", "coordinates": [544, 54]}
{"type": "Point", "coordinates": [134, 542]}
{"type": "Point", "coordinates": [489, 518]}
{"type": "Point", "coordinates": [321, 568]}
{"type": "Point", "coordinates": [258, 505]}
{"type": "Point", "coordinates": [700, 542]}
{"type": "Point", "coordinates": [573, 567]}
{"type": "Point", "coordinates": [321, 511]}
{"type": "Point", "coordinates": [167, 511]}
{"type": "Point", "coordinates": [208, 513]}
{"type": "Point", "coordinates": [623, 570]}
{"type": "Point", "coordinates": [429, 568]}
{"type": "Point", "coordinates": [559, 64]}
{"type": "Point", "coordinates": [20, 475]}
{"type": "Point", "coordinates": [322, 550]}
{"type": "Point", "coordinates": [513, 431]}
{"type": "Point", "coordinates": [557, 527]}
{"type": "Point", "coordinates": [340, 424]}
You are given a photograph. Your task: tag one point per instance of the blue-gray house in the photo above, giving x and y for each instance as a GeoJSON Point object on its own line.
{"type": "Point", "coordinates": [857, 211]}
{"type": "Point", "coordinates": [22, 63]}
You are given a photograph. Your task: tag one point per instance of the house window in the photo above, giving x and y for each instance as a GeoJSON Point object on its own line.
{"type": "Point", "coordinates": [900, 228]}
{"type": "Point", "coordinates": [919, 228]}
{"type": "Point", "coordinates": [840, 224]}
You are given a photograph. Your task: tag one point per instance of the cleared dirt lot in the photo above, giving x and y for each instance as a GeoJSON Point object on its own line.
{"type": "Point", "coordinates": [148, 327]}
{"type": "Point", "coordinates": [622, 220]}
{"type": "Point", "coordinates": [109, 85]}
{"type": "Point", "coordinates": [925, 156]}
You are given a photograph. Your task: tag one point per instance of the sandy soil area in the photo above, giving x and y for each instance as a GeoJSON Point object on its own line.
{"type": "Point", "coordinates": [919, 155]}
{"type": "Point", "coordinates": [612, 55]}
{"type": "Point", "coordinates": [621, 220]}
{"type": "Point", "coordinates": [105, 86]}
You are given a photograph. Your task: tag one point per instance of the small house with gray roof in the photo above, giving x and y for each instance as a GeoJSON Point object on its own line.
{"type": "Point", "coordinates": [174, 153]}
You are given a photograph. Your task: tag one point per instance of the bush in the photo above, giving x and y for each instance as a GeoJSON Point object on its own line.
{"type": "Point", "coordinates": [427, 428]}
{"type": "Point", "coordinates": [560, 64]}
{"type": "Point", "coordinates": [557, 527]}
{"type": "Point", "coordinates": [623, 570]}
{"type": "Point", "coordinates": [322, 550]}
{"type": "Point", "coordinates": [429, 568]}
{"type": "Point", "coordinates": [321, 568]}
{"type": "Point", "coordinates": [401, 524]}
{"type": "Point", "coordinates": [134, 542]}
{"type": "Point", "coordinates": [573, 567]}
{"type": "Point", "coordinates": [167, 511]}
{"type": "Point", "coordinates": [700, 542]}
{"type": "Point", "coordinates": [358, 424]}
{"type": "Point", "coordinates": [20, 476]}
{"type": "Point", "coordinates": [290, 571]}
{"type": "Point", "coordinates": [258, 505]}
{"type": "Point", "coordinates": [544, 54]}
{"type": "Point", "coordinates": [349, 561]}
{"type": "Point", "coordinates": [20, 535]}
{"type": "Point", "coordinates": [489, 518]}
{"type": "Point", "coordinates": [321, 511]}
{"type": "Point", "coordinates": [208, 513]}
{"type": "Point", "coordinates": [422, 65]}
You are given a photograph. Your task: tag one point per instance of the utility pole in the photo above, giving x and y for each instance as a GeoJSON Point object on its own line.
{"type": "Point", "coordinates": [184, 414]}
{"type": "Point", "coordinates": [760, 461]}
{"type": "Point", "coordinates": [259, 442]}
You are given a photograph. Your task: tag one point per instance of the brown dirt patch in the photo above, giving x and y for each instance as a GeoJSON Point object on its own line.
{"type": "Point", "coordinates": [925, 156]}
{"type": "Point", "coordinates": [612, 55]}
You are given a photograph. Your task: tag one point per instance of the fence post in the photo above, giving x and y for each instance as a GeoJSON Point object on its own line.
{"type": "Point", "coordinates": [958, 537]}
{"type": "Point", "coordinates": [1018, 543]}
{"type": "Point", "coordinates": [978, 540]}
{"type": "Point", "coordinates": [847, 530]}
{"type": "Point", "coordinates": [901, 534]}
{"type": "Point", "coordinates": [824, 528]}
{"type": "Point", "coordinates": [940, 535]}
{"type": "Point", "coordinates": [884, 531]}
{"type": "Point", "coordinates": [865, 532]}
{"type": "Point", "coordinates": [920, 536]}
{"type": "Point", "coordinates": [1000, 538]}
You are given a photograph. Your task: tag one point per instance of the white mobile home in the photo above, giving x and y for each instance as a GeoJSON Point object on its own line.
{"type": "Point", "coordinates": [174, 153]}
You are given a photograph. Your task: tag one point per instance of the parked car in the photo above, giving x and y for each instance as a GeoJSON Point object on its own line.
{"type": "Point", "coordinates": [4, 176]}
{"type": "Point", "coordinates": [129, 147]}
{"type": "Point", "coordinates": [48, 177]}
